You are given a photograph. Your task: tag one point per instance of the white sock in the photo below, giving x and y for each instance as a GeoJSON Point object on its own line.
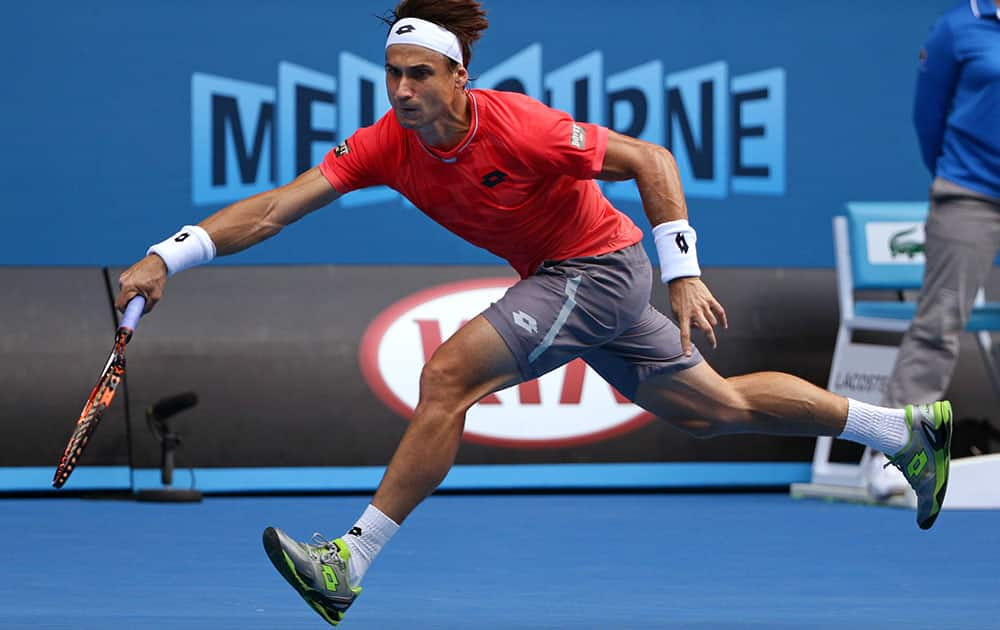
{"type": "Point", "coordinates": [372, 531]}
{"type": "Point", "coordinates": [881, 428]}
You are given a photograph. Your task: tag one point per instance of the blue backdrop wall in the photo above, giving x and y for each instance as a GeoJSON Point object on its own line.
{"type": "Point", "coordinates": [121, 120]}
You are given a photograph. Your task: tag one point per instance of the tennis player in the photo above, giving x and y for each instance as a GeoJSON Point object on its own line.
{"type": "Point", "coordinates": [513, 176]}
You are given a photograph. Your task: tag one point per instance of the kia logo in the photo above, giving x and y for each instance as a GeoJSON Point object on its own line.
{"type": "Point", "coordinates": [569, 406]}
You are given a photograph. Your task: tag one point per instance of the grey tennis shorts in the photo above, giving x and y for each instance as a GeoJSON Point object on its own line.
{"type": "Point", "coordinates": [596, 308]}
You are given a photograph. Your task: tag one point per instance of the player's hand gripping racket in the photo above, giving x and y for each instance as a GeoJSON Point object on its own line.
{"type": "Point", "coordinates": [102, 395]}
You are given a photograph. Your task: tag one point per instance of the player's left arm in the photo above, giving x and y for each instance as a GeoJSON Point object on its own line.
{"type": "Point", "coordinates": [655, 173]}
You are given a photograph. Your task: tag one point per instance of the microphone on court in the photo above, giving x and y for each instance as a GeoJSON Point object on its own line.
{"type": "Point", "coordinates": [173, 405]}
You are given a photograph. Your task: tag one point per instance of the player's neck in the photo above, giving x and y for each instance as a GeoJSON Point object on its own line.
{"type": "Point", "coordinates": [451, 128]}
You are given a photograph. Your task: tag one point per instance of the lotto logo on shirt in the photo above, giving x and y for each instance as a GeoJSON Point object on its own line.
{"type": "Point", "coordinates": [571, 405]}
{"type": "Point", "coordinates": [726, 130]}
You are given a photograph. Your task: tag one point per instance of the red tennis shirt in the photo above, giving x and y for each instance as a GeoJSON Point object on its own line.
{"type": "Point", "coordinates": [520, 184]}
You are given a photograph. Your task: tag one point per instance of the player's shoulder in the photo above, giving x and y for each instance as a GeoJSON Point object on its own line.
{"type": "Point", "coordinates": [388, 124]}
{"type": "Point", "coordinates": [512, 110]}
{"type": "Point", "coordinates": [384, 131]}
{"type": "Point", "coordinates": [508, 101]}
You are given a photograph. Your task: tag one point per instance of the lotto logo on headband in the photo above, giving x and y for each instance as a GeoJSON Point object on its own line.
{"type": "Point", "coordinates": [406, 28]}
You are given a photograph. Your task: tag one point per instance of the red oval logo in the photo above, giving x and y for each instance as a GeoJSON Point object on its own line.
{"type": "Point", "coordinates": [568, 406]}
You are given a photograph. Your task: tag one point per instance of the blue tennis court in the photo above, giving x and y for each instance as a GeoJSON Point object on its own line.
{"type": "Point", "coordinates": [498, 561]}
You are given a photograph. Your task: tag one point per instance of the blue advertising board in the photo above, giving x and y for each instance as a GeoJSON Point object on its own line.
{"type": "Point", "coordinates": [122, 121]}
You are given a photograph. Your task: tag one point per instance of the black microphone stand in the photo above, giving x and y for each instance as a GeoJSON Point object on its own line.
{"type": "Point", "coordinates": [156, 420]}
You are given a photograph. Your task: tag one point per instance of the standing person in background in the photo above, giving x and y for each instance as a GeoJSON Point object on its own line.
{"type": "Point", "coordinates": [516, 177]}
{"type": "Point", "coordinates": [957, 116]}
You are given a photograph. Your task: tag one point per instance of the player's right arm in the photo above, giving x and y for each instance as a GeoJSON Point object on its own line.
{"type": "Point", "coordinates": [235, 228]}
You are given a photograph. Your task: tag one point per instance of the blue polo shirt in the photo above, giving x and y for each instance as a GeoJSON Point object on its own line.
{"type": "Point", "coordinates": [957, 108]}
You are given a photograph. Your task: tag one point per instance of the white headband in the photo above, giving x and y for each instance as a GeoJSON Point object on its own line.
{"type": "Point", "coordinates": [426, 34]}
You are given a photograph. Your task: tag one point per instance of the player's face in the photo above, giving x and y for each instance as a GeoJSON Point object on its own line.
{"type": "Point", "coordinates": [421, 86]}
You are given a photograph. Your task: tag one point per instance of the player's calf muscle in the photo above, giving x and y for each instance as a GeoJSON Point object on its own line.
{"type": "Point", "coordinates": [721, 419]}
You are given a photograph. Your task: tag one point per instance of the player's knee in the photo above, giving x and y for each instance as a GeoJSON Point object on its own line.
{"type": "Point", "coordinates": [442, 386]}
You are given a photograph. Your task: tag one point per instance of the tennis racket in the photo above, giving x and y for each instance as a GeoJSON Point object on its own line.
{"type": "Point", "coordinates": [102, 394]}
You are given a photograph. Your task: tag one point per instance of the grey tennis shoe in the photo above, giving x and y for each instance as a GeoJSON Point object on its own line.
{"type": "Point", "coordinates": [318, 571]}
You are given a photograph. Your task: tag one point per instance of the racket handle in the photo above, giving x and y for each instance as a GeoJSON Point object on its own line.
{"type": "Point", "coordinates": [133, 311]}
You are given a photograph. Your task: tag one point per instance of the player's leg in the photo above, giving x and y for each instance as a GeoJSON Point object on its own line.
{"type": "Point", "coordinates": [702, 402]}
{"type": "Point", "coordinates": [646, 364]}
{"type": "Point", "coordinates": [534, 328]}
{"type": "Point", "coordinates": [541, 323]}
{"type": "Point", "coordinates": [471, 364]}
{"type": "Point", "coordinates": [705, 404]}
{"type": "Point", "coordinates": [474, 362]}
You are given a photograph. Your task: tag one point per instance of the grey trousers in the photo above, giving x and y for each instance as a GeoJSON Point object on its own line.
{"type": "Point", "coordinates": [962, 240]}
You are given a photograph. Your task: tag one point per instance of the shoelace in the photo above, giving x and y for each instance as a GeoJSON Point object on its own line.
{"type": "Point", "coordinates": [331, 549]}
{"type": "Point", "coordinates": [902, 469]}
{"type": "Point", "coordinates": [898, 465]}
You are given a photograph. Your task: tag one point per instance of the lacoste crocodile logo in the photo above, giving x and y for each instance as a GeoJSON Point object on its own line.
{"type": "Point", "coordinates": [909, 248]}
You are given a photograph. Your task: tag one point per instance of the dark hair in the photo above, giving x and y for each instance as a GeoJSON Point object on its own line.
{"type": "Point", "coordinates": [465, 18]}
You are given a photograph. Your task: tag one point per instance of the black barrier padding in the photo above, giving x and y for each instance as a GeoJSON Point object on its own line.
{"type": "Point", "coordinates": [272, 353]}
{"type": "Point", "coordinates": [56, 331]}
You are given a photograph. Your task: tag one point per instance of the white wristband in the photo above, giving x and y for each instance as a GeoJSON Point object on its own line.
{"type": "Point", "coordinates": [675, 242]}
{"type": "Point", "coordinates": [190, 247]}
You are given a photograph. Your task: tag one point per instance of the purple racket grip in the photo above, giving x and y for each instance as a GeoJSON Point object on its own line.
{"type": "Point", "coordinates": [133, 311]}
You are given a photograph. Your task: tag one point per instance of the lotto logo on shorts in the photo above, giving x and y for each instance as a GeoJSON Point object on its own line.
{"type": "Point", "coordinates": [568, 406]}
{"type": "Point", "coordinates": [526, 321]}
